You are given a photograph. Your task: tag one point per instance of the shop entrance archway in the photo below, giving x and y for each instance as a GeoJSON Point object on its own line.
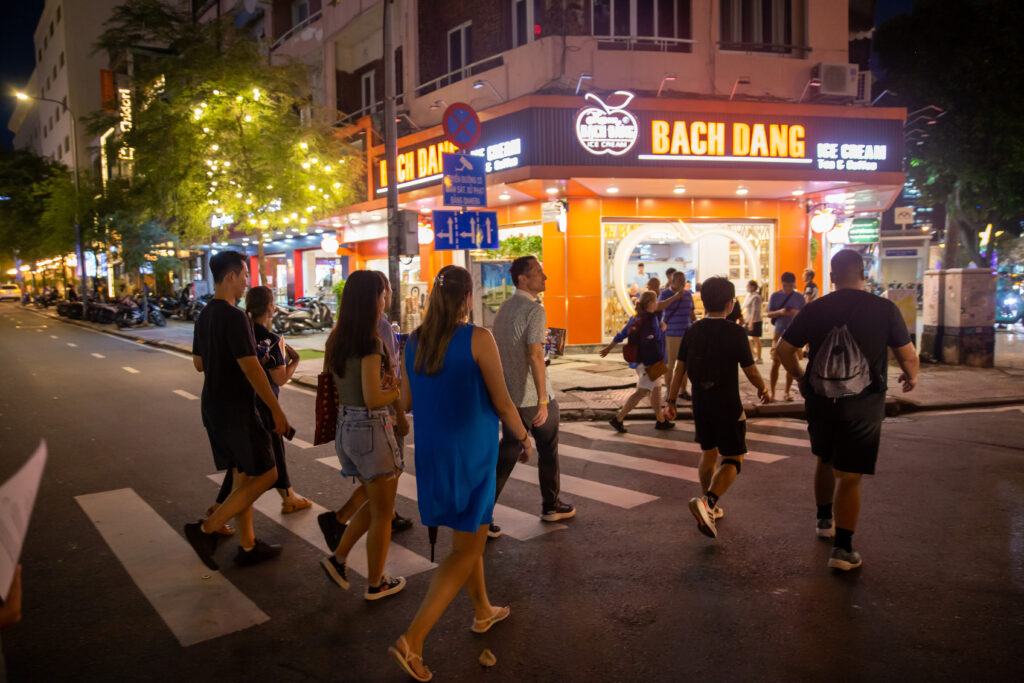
{"type": "Point", "coordinates": [687, 235]}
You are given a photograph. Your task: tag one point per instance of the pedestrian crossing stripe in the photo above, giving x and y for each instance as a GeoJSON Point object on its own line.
{"type": "Point", "coordinates": [629, 462]}
{"type": "Point", "coordinates": [300, 443]}
{"type": "Point", "coordinates": [129, 370]}
{"type": "Point", "coordinates": [185, 394]}
{"type": "Point", "coordinates": [599, 434]}
{"type": "Point", "coordinates": [519, 525]}
{"type": "Point", "coordinates": [781, 423]}
{"type": "Point", "coordinates": [98, 355]}
{"type": "Point", "coordinates": [196, 604]}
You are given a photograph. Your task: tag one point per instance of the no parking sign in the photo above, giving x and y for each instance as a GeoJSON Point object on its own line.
{"type": "Point", "coordinates": [461, 125]}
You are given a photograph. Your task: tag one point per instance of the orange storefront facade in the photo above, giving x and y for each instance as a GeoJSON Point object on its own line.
{"type": "Point", "coordinates": [707, 186]}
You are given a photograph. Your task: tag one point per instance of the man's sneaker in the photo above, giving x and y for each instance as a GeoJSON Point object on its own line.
{"type": "Point", "coordinates": [619, 427]}
{"type": "Point", "coordinates": [399, 523]}
{"type": "Point", "coordinates": [388, 586]}
{"type": "Point", "coordinates": [335, 570]}
{"type": "Point", "coordinates": [493, 531]}
{"type": "Point", "coordinates": [705, 519]}
{"type": "Point", "coordinates": [557, 511]}
{"type": "Point", "coordinates": [844, 559]}
{"type": "Point", "coordinates": [203, 543]}
{"type": "Point", "coordinates": [685, 396]}
{"type": "Point", "coordinates": [664, 425]}
{"type": "Point", "coordinates": [260, 552]}
{"type": "Point", "coordinates": [717, 513]}
{"type": "Point", "coordinates": [826, 528]}
{"type": "Point", "coordinates": [331, 528]}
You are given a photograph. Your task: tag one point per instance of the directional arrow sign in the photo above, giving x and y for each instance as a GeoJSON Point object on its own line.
{"type": "Point", "coordinates": [446, 227]}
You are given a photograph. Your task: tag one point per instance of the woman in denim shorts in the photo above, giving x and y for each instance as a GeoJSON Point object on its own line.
{"type": "Point", "coordinates": [365, 436]}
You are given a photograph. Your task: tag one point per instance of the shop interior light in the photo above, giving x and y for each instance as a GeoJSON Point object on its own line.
{"type": "Point", "coordinates": [741, 190]}
{"type": "Point", "coordinates": [426, 209]}
{"type": "Point", "coordinates": [504, 196]}
{"type": "Point", "coordinates": [329, 243]}
{"type": "Point", "coordinates": [798, 193]}
{"type": "Point", "coordinates": [612, 189]}
{"type": "Point", "coordinates": [319, 231]}
{"type": "Point", "coordinates": [552, 190]}
{"type": "Point", "coordinates": [679, 189]}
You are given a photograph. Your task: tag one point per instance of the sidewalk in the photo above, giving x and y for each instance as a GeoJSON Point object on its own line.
{"type": "Point", "coordinates": [589, 387]}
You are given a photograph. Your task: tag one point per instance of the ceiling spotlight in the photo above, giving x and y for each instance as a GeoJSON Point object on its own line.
{"type": "Point", "coordinates": [552, 190]}
{"type": "Point", "coordinates": [798, 193]}
{"type": "Point", "coordinates": [612, 189]}
{"type": "Point", "coordinates": [741, 190]}
{"type": "Point", "coordinates": [678, 189]}
{"type": "Point", "coordinates": [504, 196]}
{"type": "Point", "coordinates": [426, 210]}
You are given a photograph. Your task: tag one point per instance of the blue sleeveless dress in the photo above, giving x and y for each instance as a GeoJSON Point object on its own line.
{"type": "Point", "coordinates": [456, 437]}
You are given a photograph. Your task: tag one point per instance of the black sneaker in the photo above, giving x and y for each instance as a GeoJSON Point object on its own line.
{"type": "Point", "coordinates": [335, 570]}
{"type": "Point", "coordinates": [400, 523]}
{"type": "Point", "coordinates": [686, 396]}
{"type": "Point", "coordinates": [558, 511]}
{"type": "Point", "coordinates": [493, 531]}
{"type": "Point", "coordinates": [260, 552]}
{"type": "Point", "coordinates": [388, 586]}
{"type": "Point", "coordinates": [664, 425]}
{"type": "Point", "coordinates": [203, 543]}
{"type": "Point", "coordinates": [331, 528]}
{"type": "Point", "coordinates": [619, 427]}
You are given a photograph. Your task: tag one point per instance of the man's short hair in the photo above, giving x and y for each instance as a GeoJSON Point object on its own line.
{"type": "Point", "coordinates": [847, 266]}
{"type": "Point", "coordinates": [716, 293]}
{"type": "Point", "coordinates": [224, 262]}
{"type": "Point", "coordinates": [519, 267]}
{"type": "Point", "coordinates": [809, 271]}
{"type": "Point", "coordinates": [639, 265]}
{"type": "Point", "coordinates": [679, 274]}
{"type": "Point", "coordinates": [788, 277]}
{"type": "Point", "coordinates": [668, 273]}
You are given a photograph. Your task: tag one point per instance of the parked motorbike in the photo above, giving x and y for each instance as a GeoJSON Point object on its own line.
{"type": "Point", "coordinates": [293, 320]}
{"type": "Point", "coordinates": [47, 299]}
{"type": "Point", "coordinates": [101, 312]}
{"type": "Point", "coordinates": [320, 313]}
{"type": "Point", "coordinates": [129, 314]}
{"type": "Point", "coordinates": [196, 306]}
{"type": "Point", "coordinates": [1009, 307]}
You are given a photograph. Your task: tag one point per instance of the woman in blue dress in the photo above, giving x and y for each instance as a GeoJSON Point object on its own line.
{"type": "Point", "coordinates": [454, 385]}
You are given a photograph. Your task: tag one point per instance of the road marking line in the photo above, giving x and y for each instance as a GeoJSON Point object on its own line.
{"type": "Point", "coordinates": [598, 434]}
{"type": "Point", "coordinates": [98, 355]}
{"type": "Point", "coordinates": [72, 345]}
{"type": "Point", "coordinates": [130, 370]}
{"type": "Point", "coordinates": [300, 443]}
{"type": "Point", "coordinates": [781, 423]}
{"type": "Point", "coordinates": [185, 394]}
{"type": "Point", "coordinates": [604, 493]}
{"type": "Point", "coordinates": [53, 336]}
{"type": "Point", "coordinates": [401, 561]}
{"type": "Point", "coordinates": [167, 571]}
{"type": "Point", "coordinates": [629, 462]}
{"type": "Point", "coordinates": [299, 389]}
{"type": "Point", "coordinates": [517, 524]}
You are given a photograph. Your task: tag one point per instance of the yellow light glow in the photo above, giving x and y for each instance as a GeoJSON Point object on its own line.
{"type": "Point", "coordinates": [264, 222]}
{"type": "Point", "coordinates": [256, 93]}
{"type": "Point", "coordinates": [312, 188]}
{"type": "Point", "coordinates": [327, 169]}
{"type": "Point", "coordinates": [248, 118]}
{"type": "Point", "coordinates": [305, 164]}
{"type": "Point", "coordinates": [248, 201]}
{"type": "Point", "coordinates": [227, 163]}
{"type": "Point", "coordinates": [216, 92]}
{"type": "Point", "coordinates": [215, 147]}
{"type": "Point", "coordinates": [314, 160]}
{"type": "Point", "coordinates": [336, 185]}
{"type": "Point", "coordinates": [303, 145]}
{"type": "Point", "coordinates": [304, 221]}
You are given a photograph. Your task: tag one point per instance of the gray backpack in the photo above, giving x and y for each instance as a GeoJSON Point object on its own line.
{"type": "Point", "coordinates": [839, 368]}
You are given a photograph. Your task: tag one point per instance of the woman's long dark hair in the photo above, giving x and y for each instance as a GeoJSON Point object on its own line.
{"type": "Point", "coordinates": [446, 309]}
{"type": "Point", "coordinates": [257, 301]}
{"type": "Point", "coordinates": [355, 332]}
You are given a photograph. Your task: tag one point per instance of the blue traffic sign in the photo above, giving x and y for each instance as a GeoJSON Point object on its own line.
{"type": "Point", "coordinates": [465, 180]}
{"type": "Point", "coordinates": [446, 229]}
{"type": "Point", "coordinates": [468, 230]}
{"type": "Point", "coordinates": [461, 125]}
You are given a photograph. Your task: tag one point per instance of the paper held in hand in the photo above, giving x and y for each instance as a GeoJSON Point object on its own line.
{"type": "Point", "coordinates": [17, 497]}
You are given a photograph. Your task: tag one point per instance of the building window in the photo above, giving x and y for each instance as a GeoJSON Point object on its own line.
{"type": "Point", "coordinates": [459, 54]}
{"type": "Point", "coordinates": [58, 14]}
{"type": "Point", "coordinates": [526, 21]}
{"type": "Point", "coordinates": [62, 59]}
{"type": "Point", "coordinates": [67, 144]}
{"type": "Point", "coordinates": [46, 43]}
{"type": "Point", "coordinates": [756, 25]}
{"type": "Point", "coordinates": [300, 11]}
{"type": "Point", "coordinates": [56, 114]}
{"type": "Point", "coordinates": [399, 73]}
{"type": "Point", "coordinates": [642, 24]}
{"type": "Point", "coordinates": [369, 92]}
{"type": "Point", "coordinates": [51, 28]}
{"type": "Point", "coordinates": [54, 72]}
{"type": "Point", "coordinates": [39, 55]}
{"type": "Point", "coordinates": [47, 83]}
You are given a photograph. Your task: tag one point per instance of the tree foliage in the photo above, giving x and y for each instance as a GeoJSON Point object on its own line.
{"type": "Point", "coordinates": [35, 187]}
{"type": "Point", "coordinates": [963, 56]}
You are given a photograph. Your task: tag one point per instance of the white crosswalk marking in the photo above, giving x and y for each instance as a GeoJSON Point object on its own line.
{"type": "Point", "coordinates": [781, 423]}
{"type": "Point", "coordinates": [664, 469]}
{"type": "Point", "coordinates": [53, 336]}
{"type": "Point", "coordinates": [519, 525]}
{"type": "Point", "coordinates": [401, 561]}
{"type": "Point", "coordinates": [72, 345]}
{"type": "Point", "coordinates": [129, 370]}
{"type": "Point", "coordinates": [195, 603]}
{"type": "Point", "coordinates": [98, 355]}
{"type": "Point", "coordinates": [604, 493]}
{"type": "Point", "coordinates": [597, 433]}
{"type": "Point", "coordinates": [295, 441]}
{"type": "Point", "coordinates": [185, 394]}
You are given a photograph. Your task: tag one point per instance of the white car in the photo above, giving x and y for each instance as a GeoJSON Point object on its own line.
{"type": "Point", "coordinates": [11, 292]}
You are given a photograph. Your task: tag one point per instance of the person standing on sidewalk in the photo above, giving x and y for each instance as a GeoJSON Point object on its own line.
{"type": "Point", "coordinates": [752, 312]}
{"type": "Point", "coordinates": [454, 383]}
{"type": "Point", "coordinates": [712, 348]}
{"type": "Point", "coordinates": [520, 328]}
{"type": "Point", "coordinates": [811, 291]}
{"type": "Point", "coordinates": [224, 350]}
{"type": "Point", "coordinates": [678, 315]}
{"type": "Point", "coordinates": [845, 431]}
{"type": "Point", "coordinates": [783, 306]}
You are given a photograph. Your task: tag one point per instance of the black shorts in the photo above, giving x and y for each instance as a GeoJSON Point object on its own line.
{"type": "Point", "coordinates": [846, 433]}
{"type": "Point", "coordinates": [758, 329]}
{"type": "Point", "coordinates": [245, 446]}
{"type": "Point", "coordinates": [728, 436]}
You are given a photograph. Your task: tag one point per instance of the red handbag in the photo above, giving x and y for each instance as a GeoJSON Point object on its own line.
{"type": "Point", "coordinates": [326, 407]}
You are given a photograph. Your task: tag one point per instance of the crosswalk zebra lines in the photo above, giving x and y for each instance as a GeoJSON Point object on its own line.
{"type": "Point", "coordinates": [198, 605]}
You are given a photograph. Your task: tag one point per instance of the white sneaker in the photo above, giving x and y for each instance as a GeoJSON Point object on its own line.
{"type": "Point", "coordinates": [844, 559]}
{"type": "Point", "coordinates": [705, 519]}
{"type": "Point", "coordinates": [826, 528]}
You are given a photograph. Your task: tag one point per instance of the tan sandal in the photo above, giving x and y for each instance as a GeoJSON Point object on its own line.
{"type": "Point", "coordinates": [406, 660]}
{"type": "Point", "coordinates": [484, 625]}
{"type": "Point", "coordinates": [294, 504]}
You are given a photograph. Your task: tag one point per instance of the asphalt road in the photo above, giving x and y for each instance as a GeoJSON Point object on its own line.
{"type": "Point", "coordinates": [627, 591]}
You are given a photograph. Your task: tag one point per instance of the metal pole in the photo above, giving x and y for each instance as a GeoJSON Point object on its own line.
{"type": "Point", "coordinates": [391, 158]}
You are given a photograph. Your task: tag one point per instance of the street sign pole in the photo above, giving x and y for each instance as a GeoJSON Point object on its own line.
{"type": "Point", "coordinates": [391, 161]}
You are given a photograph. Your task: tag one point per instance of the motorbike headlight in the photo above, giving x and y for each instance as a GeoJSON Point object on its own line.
{"type": "Point", "coordinates": [1008, 301]}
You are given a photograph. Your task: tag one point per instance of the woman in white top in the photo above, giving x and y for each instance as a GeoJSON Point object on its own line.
{"type": "Point", "coordinates": [752, 312]}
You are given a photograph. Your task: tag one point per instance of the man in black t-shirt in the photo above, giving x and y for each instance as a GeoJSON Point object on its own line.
{"type": "Point", "coordinates": [845, 432]}
{"type": "Point", "coordinates": [710, 351]}
{"type": "Point", "coordinates": [224, 350]}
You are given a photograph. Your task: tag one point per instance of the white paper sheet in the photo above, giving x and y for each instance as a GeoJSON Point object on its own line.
{"type": "Point", "coordinates": [17, 497]}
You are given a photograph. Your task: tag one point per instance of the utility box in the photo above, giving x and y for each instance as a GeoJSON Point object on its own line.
{"type": "Point", "coordinates": [969, 316]}
{"type": "Point", "coordinates": [933, 308]}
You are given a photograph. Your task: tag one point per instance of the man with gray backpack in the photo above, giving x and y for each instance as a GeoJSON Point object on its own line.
{"type": "Point", "coordinates": [844, 385]}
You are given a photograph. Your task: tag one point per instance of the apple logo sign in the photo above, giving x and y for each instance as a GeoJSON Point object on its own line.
{"type": "Point", "coordinates": [607, 129]}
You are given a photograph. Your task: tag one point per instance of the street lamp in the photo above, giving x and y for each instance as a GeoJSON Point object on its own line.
{"type": "Point", "coordinates": [78, 232]}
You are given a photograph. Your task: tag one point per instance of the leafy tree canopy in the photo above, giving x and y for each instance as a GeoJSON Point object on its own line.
{"type": "Point", "coordinates": [28, 182]}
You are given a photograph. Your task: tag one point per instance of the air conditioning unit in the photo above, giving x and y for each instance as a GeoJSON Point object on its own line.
{"type": "Point", "coordinates": [837, 80]}
{"type": "Point", "coordinates": [863, 88]}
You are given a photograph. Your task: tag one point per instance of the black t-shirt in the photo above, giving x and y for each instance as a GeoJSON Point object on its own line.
{"type": "Point", "coordinates": [223, 334]}
{"type": "Point", "coordinates": [711, 349]}
{"type": "Point", "coordinates": [874, 323]}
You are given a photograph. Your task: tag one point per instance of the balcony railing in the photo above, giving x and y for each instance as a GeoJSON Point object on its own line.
{"type": "Point", "coordinates": [375, 108]}
{"type": "Point", "coordinates": [312, 18]}
{"type": "Point", "coordinates": [799, 51]}
{"type": "Point", "coordinates": [645, 43]}
{"type": "Point", "coordinates": [459, 74]}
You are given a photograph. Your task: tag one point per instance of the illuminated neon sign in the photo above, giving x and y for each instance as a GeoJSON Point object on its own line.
{"type": "Point", "coordinates": [608, 130]}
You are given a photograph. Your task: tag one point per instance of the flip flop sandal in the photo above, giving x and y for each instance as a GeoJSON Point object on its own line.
{"type": "Point", "coordinates": [484, 625]}
{"type": "Point", "coordinates": [294, 505]}
{"type": "Point", "coordinates": [405, 661]}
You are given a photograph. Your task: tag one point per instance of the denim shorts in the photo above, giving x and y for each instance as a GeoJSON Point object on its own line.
{"type": "Point", "coordinates": [366, 444]}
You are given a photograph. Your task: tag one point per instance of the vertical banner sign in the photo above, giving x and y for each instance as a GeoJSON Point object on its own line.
{"type": "Point", "coordinates": [107, 97]}
{"type": "Point", "coordinates": [464, 180]}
